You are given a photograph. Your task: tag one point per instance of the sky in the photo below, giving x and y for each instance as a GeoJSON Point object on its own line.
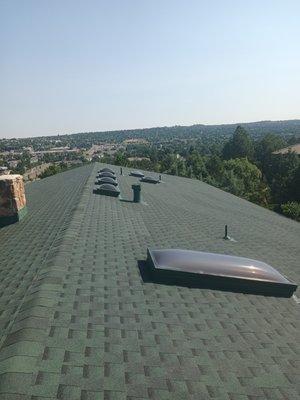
{"type": "Point", "coordinates": [80, 66]}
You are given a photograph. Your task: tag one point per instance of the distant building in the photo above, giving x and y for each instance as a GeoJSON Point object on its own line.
{"type": "Point", "coordinates": [136, 141]}
{"type": "Point", "coordinates": [4, 170]}
{"type": "Point", "coordinates": [295, 148]}
{"type": "Point", "coordinates": [138, 159]}
{"type": "Point", "coordinates": [13, 163]}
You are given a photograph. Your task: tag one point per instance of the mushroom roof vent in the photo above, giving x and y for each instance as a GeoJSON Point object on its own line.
{"type": "Point", "coordinates": [107, 170]}
{"type": "Point", "coordinates": [218, 271]}
{"type": "Point", "coordinates": [106, 175]}
{"type": "Point", "coordinates": [108, 180]}
{"type": "Point", "coordinates": [108, 190]}
{"type": "Point", "coordinates": [149, 179]}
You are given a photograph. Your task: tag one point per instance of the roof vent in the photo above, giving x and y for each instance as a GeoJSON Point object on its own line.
{"type": "Point", "coordinates": [107, 190]}
{"type": "Point", "coordinates": [138, 174]}
{"type": "Point", "coordinates": [226, 236]}
{"type": "Point", "coordinates": [217, 271]}
{"type": "Point", "coordinates": [149, 179]}
{"type": "Point", "coordinates": [136, 193]}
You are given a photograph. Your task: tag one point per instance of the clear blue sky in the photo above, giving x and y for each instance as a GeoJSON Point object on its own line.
{"type": "Point", "coordinates": [76, 66]}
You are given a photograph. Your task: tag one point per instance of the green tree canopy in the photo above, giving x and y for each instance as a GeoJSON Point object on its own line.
{"type": "Point", "coordinates": [264, 149]}
{"type": "Point", "coordinates": [291, 210]}
{"type": "Point", "coordinates": [196, 164]}
{"type": "Point", "coordinates": [243, 179]}
{"type": "Point", "coordinates": [239, 146]}
{"type": "Point", "coordinates": [283, 177]}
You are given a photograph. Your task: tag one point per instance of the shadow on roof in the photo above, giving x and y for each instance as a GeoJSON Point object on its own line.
{"type": "Point", "coordinates": [127, 201]}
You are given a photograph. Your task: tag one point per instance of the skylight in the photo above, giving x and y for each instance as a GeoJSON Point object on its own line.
{"type": "Point", "coordinates": [106, 175]}
{"type": "Point", "coordinates": [107, 170]}
{"type": "Point", "coordinates": [218, 271]}
{"type": "Point", "coordinates": [108, 190]}
{"type": "Point", "coordinates": [107, 179]}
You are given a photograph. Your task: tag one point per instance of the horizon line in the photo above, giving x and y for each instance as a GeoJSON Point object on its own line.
{"type": "Point", "coordinates": [151, 127]}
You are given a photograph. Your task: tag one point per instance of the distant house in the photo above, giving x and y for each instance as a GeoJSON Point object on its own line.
{"type": "Point", "coordinates": [136, 141]}
{"type": "Point", "coordinates": [295, 148]}
{"type": "Point", "coordinates": [13, 163]}
{"type": "Point", "coordinates": [3, 170]}
{"type": "Point", "coordinates": [138, 159]}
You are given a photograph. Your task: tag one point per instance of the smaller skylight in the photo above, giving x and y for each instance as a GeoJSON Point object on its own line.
{"type": "Point", "coordinates": [108, 180]}
{"type": "Point", "coordinates": [149, 179]}
{"type": "Point", "coordinates": [107, 190]}
{"type": "Point", "coordinates": [107, 170]}
{"type": "Point", "coordinates": [218, 271]}
{"type": "Point", "coordinates": [138, 174]}
{"type": "Point", "coordinates": [106, 175]}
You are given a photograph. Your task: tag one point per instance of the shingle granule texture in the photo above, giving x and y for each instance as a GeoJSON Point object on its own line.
{"type": "Point", "coordinates": [78, 322]}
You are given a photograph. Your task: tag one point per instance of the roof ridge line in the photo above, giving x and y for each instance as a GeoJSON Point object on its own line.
{"type": "Point", "coordinates": [38, 302]}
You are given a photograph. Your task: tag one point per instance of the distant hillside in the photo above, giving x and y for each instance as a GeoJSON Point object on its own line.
{"type": "Point", "coordinates": [255, 129]}
{"type": "Point", "coordinates": [159, 135]}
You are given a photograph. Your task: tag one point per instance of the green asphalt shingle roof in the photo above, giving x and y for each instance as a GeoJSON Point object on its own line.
{"type": "Point", "coordinates": [78, 322]}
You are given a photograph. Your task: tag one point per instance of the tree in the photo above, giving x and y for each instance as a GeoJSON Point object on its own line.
{"type": "Point", "coordinates": [264, 149]}
{"type": "Point", "coordinates": [283, 177]}
{"type": "Point", "coordinates": [215, 167]}
{"type": "Point", "coordinates": [295, 185]}
{"type": "Point", "coordinates": [239, 146]}
{"type": "Point", "coordinates": [196, 164]}
{"type": "Point", "coordinates": [291, 210]}
{"type": "Point", "coordinates": [51, 170]}
{"type": "Point", "coordinates": [121, 159]}
{"type": "Point", "coordinates": [243, 179]}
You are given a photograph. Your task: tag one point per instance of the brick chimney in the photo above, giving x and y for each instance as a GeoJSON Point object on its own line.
{"type": "Point", "coordinates": [12, 199]}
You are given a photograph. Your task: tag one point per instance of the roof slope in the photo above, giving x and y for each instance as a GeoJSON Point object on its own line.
{"type": "Point", "coordinates": [80, 323]}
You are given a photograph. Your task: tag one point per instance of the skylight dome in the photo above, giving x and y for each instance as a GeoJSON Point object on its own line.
{"type": "Point", "coordinates": [108, 180]}
{"type": "Point", "coordinates": [219, 271]}
{"type": "Point", "coordinates": [106, 175]}
{"type": "Point", "coordinates": [107, 170]}
{"type": "Point", "coordinates": [107, 190]}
